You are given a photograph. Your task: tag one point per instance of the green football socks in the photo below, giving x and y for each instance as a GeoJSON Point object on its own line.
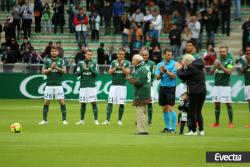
{"type": "Point", "coordinates": [109, 111]}
{"type": "Point", "coordinates": [63, 110]}
{"type": "Point", "coordinates": [230, 113]}
{"type": "Point", "coordinates": [217, 114]}
{"type": "Point", "coordinates": [95, 110]}
{"type": "Point", "coordinates": [121, 110]}
{"type": "Point", "coordinates": [45, 112]}
{"type": "Point", "coordinates": [82, 110]}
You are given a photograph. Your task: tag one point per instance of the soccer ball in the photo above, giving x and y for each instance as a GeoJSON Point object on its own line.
{"type": "Point", "coordinates": [16, 127]}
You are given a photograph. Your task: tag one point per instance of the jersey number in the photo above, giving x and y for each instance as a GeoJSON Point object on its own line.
{"type": "Point", "coordinates": [149, 77]}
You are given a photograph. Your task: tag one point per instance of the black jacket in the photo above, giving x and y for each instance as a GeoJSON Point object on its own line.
{"type": "Point", "coordinates": [107, 13]}
{"type": "Point", "coordinates": [101, 57]}
{"type": "Point", "coordinates": [211, 23]}
{"type": "Point", "coordinates": [194, 77]}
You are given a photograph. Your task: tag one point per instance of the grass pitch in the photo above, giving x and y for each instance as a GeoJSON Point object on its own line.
{"type": "Point", "coordinates": [111, 146]}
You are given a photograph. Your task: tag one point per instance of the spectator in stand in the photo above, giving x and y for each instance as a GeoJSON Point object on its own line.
{"type": "Point", "coordinates": [8, 57]}
{"type": "Point", "coordinates": [81, 22]}
{"type": "Point", "coordinates": [210, 56]}
{"type": "Point", "coordinates": [237, 10]}
{"type": "Point", "coordinates": [166, 9]}
{"type": "Point", "coordinates": [15, 49]}
{"type": "Point", "coordinates": [156, 55]}
{"type": "Point", "coordinates": [47, 50]}
{"type": "Point", "coordinates": [147, 19]}
{"type": "Point", "coordinates": [175, 41]}
{"type": "Point", "coordinates": [195, 26]}
{"type": "Point", "coordinates": [137, 17]}
{"type": "Point", "coordinates": [185, 36]}
{"type": "Point", "coordinates": [180, 6]}
{"type": "Point", "coordinates": [61, 54]}
{"type": "Point", "coordinates": [152, 32]}
{"type": "Point", "coordinates": [38, 10]}
{"type": "Point", "coordinates": [157, 22]}
{"type": "Point", "coordinates": [101, 55]}
{"type": "Point", "coordinates": [136, 38]}
{"type": "Point", "coordinates": [60, 49]}
{"type": "Point", "coordinates": [26, 55]}
{"type": "Point", "coordinates": [80, 56]}
{"type": "Point", "coordinates": [153, 43]}
{"type": "Point", "coordinates": [26, 44]}
{"type": "Point", "coordinates": [126, 29]}
{"type": "Point", "coordinates": [47, 18]}
{"type": "Point", "coordinates": [33, 57]}
{"type": "Point", "coordinates": [210, 20]}
{"type": "Point", "coordinates": [118, 10]}
{"type": "Point", "coordinates": [178, 20]}
{"type": "Point", "coordinates": [25, 12]}
{"type": "Point", "coordinates": [215, 5]}
{"type": "Point", "coordinates": [95, 26]}
{"type": "Point", "coordinates": [246, 34]}
{"type": "Point", "coordinates": [111, 55]}
{"type": "Point", "coordinates": [9, 30]}
{"type": "Point", "coordinates": [99, 5]}
{"type": "Point", "coordinates": [58, 17]}
{"type": "Point", "coordinates": [16, 21]}
{"type": "Point", "coordinates": [71, 12]}
{"type": "Point", "coordinates": [201, 14]}
{"type": "Point", "coordinates": [107, 14]}
{"type": "Point", "coordinates": [225, 8]}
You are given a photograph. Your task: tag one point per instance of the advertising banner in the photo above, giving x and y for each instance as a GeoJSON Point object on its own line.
{"type": "Point", "coordinates": [20, 86]}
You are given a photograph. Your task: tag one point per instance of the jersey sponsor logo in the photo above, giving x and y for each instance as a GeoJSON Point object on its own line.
{"type": "Point", "coordinates": [86, 73]}
{"type": "Point", "coordinates": [118, 72]}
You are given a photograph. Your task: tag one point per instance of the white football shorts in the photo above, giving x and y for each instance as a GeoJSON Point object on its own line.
{"type": "Point", "coordinates": [222, 94]}
{"type": "Point", "coordinates": [87, 95]}
{"type": "Point", "coordinates": [52, 92]}
{"type": "Point", "coordinates": [117, 94]}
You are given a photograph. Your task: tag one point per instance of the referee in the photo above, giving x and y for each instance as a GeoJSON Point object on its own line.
{"type": "Point", "coordinates": [166, 72]}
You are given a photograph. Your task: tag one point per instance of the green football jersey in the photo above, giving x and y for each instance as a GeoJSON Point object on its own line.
{"type": "Point", "coordinates": [196, 55]}
{"type": "Point", "coordinates": [152, 67]}
{"type": "Point", "coordinates": [246, 72]}
{"type": "Point", "coordinates": [142, 88]}
{"type": "Point", "coordinates": [220, 77]}
{"type": "Point", "coordinates": [87, 70]}
{"type": "Point", "coordinates": [118, 77]}
{"type": "Point", "coordinates": [54, 78]}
